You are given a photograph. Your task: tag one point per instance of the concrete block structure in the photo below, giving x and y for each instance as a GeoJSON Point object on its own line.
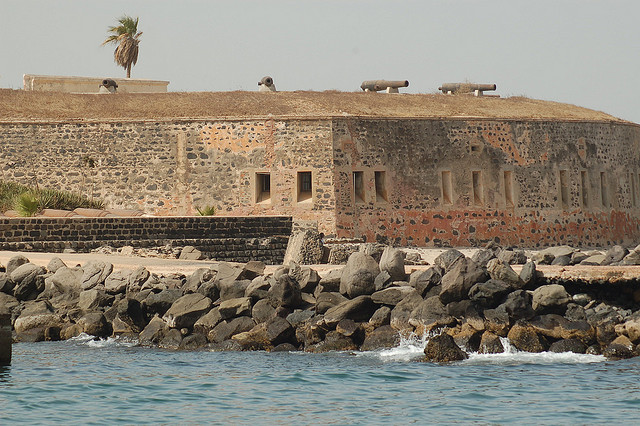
{"type": "Point", "coordinates": [442, 180]}
{"type": "Point", "coordinates": [67, 84]}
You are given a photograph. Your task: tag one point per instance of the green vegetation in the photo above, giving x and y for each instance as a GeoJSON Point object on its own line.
{"type": "Point", "coordinates": [28, 201]}
{"type": "Point", "coordinates": [206, 211]}
{"type": "Point", "coordinates": [127, 37]}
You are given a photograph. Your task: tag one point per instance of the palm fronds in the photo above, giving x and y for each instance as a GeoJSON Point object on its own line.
{"type": "Point", "coordinates": [127, 37]}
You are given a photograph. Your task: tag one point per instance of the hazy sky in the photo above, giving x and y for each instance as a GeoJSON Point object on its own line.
{"type": "Point", "coordinates": [585, 52]}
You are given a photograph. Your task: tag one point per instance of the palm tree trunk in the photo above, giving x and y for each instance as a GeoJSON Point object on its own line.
{"type": "Point", "coordinates": [129, 71]}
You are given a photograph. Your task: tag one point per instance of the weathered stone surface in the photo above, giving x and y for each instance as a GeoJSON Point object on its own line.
{"type": "Point", "coordinates": [329, 282]}
{"type": "Point", "coordinates": [381, 338]}
{"type": "Point", "coordinates": [285, 292]}
{"type": "Point", "coordinates": [185, 311]}
{"type": "Point", "coordinates": [490, 344]}
{"type": "Point", "coordinates": [392, 296]}
{"type": "Point", "coordinates": [190, 253]}
{"type": "Point", "coordinates": [524, 337]}
{"type": "Point", "coordinates": [359, 309]}
{"type": "Point", "coordinates": [91, 300]}
{"type": "Point", "coordinates": [358, 276]}
{"type": "Point", "coordinates": [614, 255]}
{"type": "Point", "coordinates": [447, 259]}
{"type": "Point", "coordinates": [553, 252]}
{"type": "Point", "coordinates": [631, 329]}
{"type": "Point", "coordinates": [95, 273]}
{"type": "Point", "coordinates": [95, 324]}
{"type": "Point", "coordinates": [468, 338]}
{"type": "Point", "coordinates": [595, 259]}
{"type": "Point", "coordinates": [350, 328]}
{"type": "Point", "coordinates": [193, 341]}
{"type": "Point", "coordinates": [263, 310]}
{"type": "Point", "coordinates": [513, 257]}
{"type": "Point", "coordinates": [620, 348]}
{"type": "Point", "coordinates": [382, 316]}
{"type": "Point", "coordinates": [15, 262]}
{"type": "Point", "coordinates": [568, 345]}
{"type": "Point", "coordinates": [128, 312]}
{"type": "Point", "coordinates": [490, 293]}
{"type": "Point", "coordinates": [497, 320]}
{"type": "Point", "coordinates": [392, 261]}
{"type": "Point", "coordinates": [382, 281]}
{"type": "Point", "coordinates": [430, 313]}
{"type": "Point", "coordinates": [227, 329]}
{"type": "Point", "coordinates": [36, 315]}
{"type": "Point", "coordinates": [633, 258]}
{"type": "Point", "coordinates": [54, 264]}
{"type": "Point", "coordinates": [307, 279]}
{"type": "Point", "coordinates": [558, 327]}
{"type": "Point", "coordinates": [252, 269]}
{"type": "Point", "coordinates": [401, 313]}
{"type": "Point", "coordinates": [28, 281]}
{"type": "Point", "coordinates": [528, 274]}
{"type": "Point", "coordinates": [518, 305]}
{"type": "Point", "coordinates": [6, 285]}
{"type": "Point", "coordinates": [172, 339]}
{"type": "Point", "coordinates": [154, 332]}
{"type": "Point", "coordinates": [159, 303]}
{"type": "Point", "coordinates": [443, 348]}
{"type": "Point", "coordinates": [137, 278]}
{"type": "Point", "coordinates": [232, 308]}
{"type": "Point", "coordinates": [207, 322]}
{"type": "Point", "coordinates": [326, 301]}
{"type": "Point", "coordinates": [552, 296]}
{"type": "Point", "coordinates": [423, 281]}
{"type": "Point", "coordinates": [483, 256]}
{"type": "Point", "coordinates": [197, 278]}
{"type": "Point", "coordinates": [232, 289]}
{"type": "Point", "coordinates": [117, 282]}
{"type": "Point", "coordinates": [458, 281]}
{"type": "Point", "coordinates": [502, 271]}
{"type": "Point", "coordinates": [305, 248]}
{"type": "Point", "coordinates": [334, 341]}
{"type": "Point", "coordinates": [561, 261]}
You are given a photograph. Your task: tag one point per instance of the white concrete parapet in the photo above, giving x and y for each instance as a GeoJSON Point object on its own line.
{"type": "Point", "coordinates": [56, 83]}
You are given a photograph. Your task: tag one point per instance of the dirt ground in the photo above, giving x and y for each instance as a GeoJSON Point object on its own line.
{"type": "Point", "coordinates": [20, 105]}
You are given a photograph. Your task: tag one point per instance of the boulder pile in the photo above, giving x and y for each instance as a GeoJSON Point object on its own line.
{"type": "Point", "coordinates": [470, 304]}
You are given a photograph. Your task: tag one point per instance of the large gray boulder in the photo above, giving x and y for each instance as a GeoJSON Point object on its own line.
{"type": "Point", "coordinates": [490, 293]}
{"type": "Point", "coordinates": [552, 296]}
{"type": "Point", "coordinates": [304, 248]}
{"type": "Point", "coordinates": [358, 309]}
{"type": "Point", "coordinates": [259, 287]}
{"type": "Point", "coordinates": [285, 292]}
{"type": "Point", "coordinates": [458, 281]}
{"type": "Point", "coordinates": [95, 324]}
{"type": "Point", "coordinates": [233, 308]}
{"type": "Point", "coordinates": [154, 332]}
{"type": "Point", "coordinates": [117, 282]}
{"type": "Point", "coordinates": [447, 259]}
{"type": "Point", "coordinates": [26, 281]}
{"type": "Point", "coordinates": [443, 348]}
{"type": "Point", "coordinates": [423, 281]}
{"type": "Point", "coordinates": [500, 270]}
{"type": "Point", "coordinates": [185, 311]}
{"type": "Point", "coordinates": [392, 261]}
{"type": "Point", "coordinates": [232, 289]}
{"type": "Point", "coordinates": [227, 329]}
{"type": "Point", "coordinates": [64, 280]}
{"type": "Point", "coordinates": [381, 338]}
{"type": "Point", "coordinates": [358, 276]}
{"type": "Point", "coordinates": [94, 273]}
{"type": "Point", "coordinates": [430, 313]}
{"type": "Point", "coordinates": [14, 262]}
{"type": "Point", "coordinates": [55, 264]}
{"type": "Point", "coordinates": [159, 303]}
{"type": "Point", "coordinates": [91, 300]}
{"type": "Point", "coordinates": [392, 296]}
{"type": "Point", "coordinates": [401, 313]}
{"type": "Point", "coordinates": [614, 255]}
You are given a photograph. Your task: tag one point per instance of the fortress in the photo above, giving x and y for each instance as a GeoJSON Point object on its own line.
{"type": "Point", "coordinates": [423, 170]}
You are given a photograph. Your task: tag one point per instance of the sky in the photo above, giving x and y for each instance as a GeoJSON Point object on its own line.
{"type": "Point", "coordinates": [583, 52]}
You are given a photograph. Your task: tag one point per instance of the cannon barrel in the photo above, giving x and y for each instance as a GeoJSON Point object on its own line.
{"type": "Point", "coordinates": [107, 82]}
{"type": "Point", "coordinates": [377, 85]}
{"type": "Point", "coordinates": [267, 81]}
{"type": "Point", "coordinates": [465, 87]}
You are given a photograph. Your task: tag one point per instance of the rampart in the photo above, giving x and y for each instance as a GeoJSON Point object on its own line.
{"type": "Point", "coordinates": [425, 181]}
{"type": "Point", "coordinates": [238, 239]}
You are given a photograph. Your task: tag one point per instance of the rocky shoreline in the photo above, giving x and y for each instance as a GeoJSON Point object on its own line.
{"type": "Point", "coordinates": [467, 304]}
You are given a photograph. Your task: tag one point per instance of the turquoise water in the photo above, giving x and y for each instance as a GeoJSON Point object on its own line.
{"type": "Point", "coordinates": [109, 382]}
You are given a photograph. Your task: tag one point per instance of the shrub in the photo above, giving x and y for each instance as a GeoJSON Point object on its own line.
{"type": "Point", "coordinates": [206, 211]}
{"type": "Point", "coordinates": [22, 198]}
{"type": "Point", "coordinates": [27, 204]}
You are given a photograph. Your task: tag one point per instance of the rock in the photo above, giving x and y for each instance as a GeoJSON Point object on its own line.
{"type": "Point", "coordinates": [305, 248]}
{"type": "Point", "coordinates": [193, 342]}
{"type": "Point", "coordinates": [518, 305]}
{"type": "Point", "coordinates": [172, 339]}
{"type": "Point", "coordinates": [235, 308]}
{"type": "Point", "coordinates": [614, 255]}
{"type": "Point", "coordinates": [91, 300]}
{"type": "Point", "coordinates": [423, 281]}
{"type": "Point", "coordinates": [458, 281]}
{"type": "Point", "coordinates": [334, 341]}
{"type": "Point", "coordinates": [430, 313]}
{"type": "Point", "coordinates": [285, 292]}
{"type": "Point", "coordinates": [326, 301]}
{"type": "Point", "coordinates": [307, 279]}
{"type": "Point", "coordinates": [95, 273]}
{"type": "Point", "coordinates": [633, 258]}
{"type": "Point", "coordinates": [358, 309]}
{"type": "Point", "coordinates": [159, 303]}
{"type": "Point", "coordinates": [392, 261]}
{"type": "Point", "coordinates": [339, 253]}
{"type": "Point", "coordinates": [483, 256]}
{"type": "Point", "coordinates": [154, 332]}
{"type": "Point", "coordinates": [595, 259]}
{"type": "Point", "coordinates": [490, 343]}
{"type": "Point", "coordinates": [117, 282]}
{"type": "Point", "coordinates": [232, 289]}
{"type": "Point", "coordinates": [550, 297]}
{"type": "Point", "coordinates": [550, 253]}
{"type": "Point", "coordinates": [185, 311]}
{"type": "Point", "coordinates": [497, 320]}
{"type": "Point", "coordinates": [528, 274]}
{"type": "Point", "coordinates": [263, 310]}
{"type": "Point", "coordinates": [330, 282]}
{"type": "Point", "coordinates": [581, 299]}
{"type": "Point", "coordinates": [358, 275]}
{"type": "Point", "coordinates": [561, 261]}
{"type": "Point", "coordinates": [568, 345]}
{"type": "Point", "coordinates": [382, 281]}
{"type": "Point", "coordinates": [210, 289]}
{"type": "Point", "coordinates": [207, 322]}
{"type": "Point", "coordinates": [190, 253]}
{"type": "Point", "coordinates": [64, 280]}
{"type": "Point", "coordinates": [95, 324]}
{"type": "Point", "coordinates": [631, 329]}
{"type": "Point", "coordinates": [401, 313]}
{"type": "Point", "coordinates": [284, 347]}
{"type": "Point", "coordinates": [382, 316]}
{"type": "Point", "coordinates": [575, 312]}
{"type": "Point", "coordinates": [374, 250]}
{"type": "Point", "coordinates": [448, 259]}
{"type": "Point", "coordinates": [605, 333]}
{"type": "Point", "coordinates": [298, 316]}
{"type": "Point", "coordinates": [524, 338]}
{"type": "Point", "coordinates": [27, 282]}
{"type": "Point", "coordinates": [578, 257]}
{"type": "Point", "coordinates": [129, 318]}
{"type": "Point", "coordinates": [413, 258]}
{"type": "Point", "coordinates": [502, 271]}
{"type": "Point", "coordinates": [15, 262]}
{"type": "Point", "coordinates": [468, 338]}
{"type": "Point", "coordinates": [6, 285]}
{"type": "Point", "coordinates": [277, 331]}
{"type": "Point", "coordinates": [137, 278]}
{"type": "Point", "coordinates": [54, 264]}
{"type": "Point", "coordinates": [34, 319]}
{"type": "Point", "coordinates": [490, 293]}
{"type": "Point", "coordinates": [382, 337]}
{"type": "Point", "coordinates": [557, 327]}
{"type": "Point", "coordinates": [513, 257]}
{"type": "Point", "coordinates": [351, 329]}
{"type": "Point", "coordinates": [251, 270]}
{"type": "Point", "coordinates": [620, 348]}
{"type": "Point", "coordinates": [443, 348]}
{"type": "Point", "coordinates": [198, 278]}
{"type": "Point", "coordinates": [227, 329]}
{"type": "Point", "coordinates": [391, 296]}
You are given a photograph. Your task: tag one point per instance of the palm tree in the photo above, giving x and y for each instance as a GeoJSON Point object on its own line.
{"type": "Point", "coordinates": [127, 37]}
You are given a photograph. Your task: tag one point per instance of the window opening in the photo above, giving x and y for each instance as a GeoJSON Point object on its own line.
{"type": "Point", "coordinates": [304, 186]}
{"type": "Point", "coordinates": [564, 190]}
{"type": "Point", "coordinates": [447, 188]}
{"type": "Point", "coordinates": [477, 187]}
{"type": "Point", "coordinates": [508, 188]}
{"type": "Point", "coordinates": [263, 187]}
{"type": "Point", "coordinates": [585, 188]}
{"type": "Point", "coordinates": [358, 187]}
{"type": "Point", "coordinates": [381, 186]}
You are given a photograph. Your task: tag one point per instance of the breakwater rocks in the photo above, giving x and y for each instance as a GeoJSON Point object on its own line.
{"type": "Point", "coordinates": [467, 304]}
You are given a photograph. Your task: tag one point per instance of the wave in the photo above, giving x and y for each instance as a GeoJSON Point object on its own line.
{"type": "Point", "coordinates": [96, 342]}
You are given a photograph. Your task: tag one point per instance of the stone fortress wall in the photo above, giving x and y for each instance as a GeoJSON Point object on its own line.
{"type": "Point", "coordinates": [415, 181]}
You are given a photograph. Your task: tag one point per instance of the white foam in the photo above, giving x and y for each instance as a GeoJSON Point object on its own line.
{"type": "Point", "coordinates": [93, 342]}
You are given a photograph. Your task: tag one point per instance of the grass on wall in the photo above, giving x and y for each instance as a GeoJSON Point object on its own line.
{"type": "Point", "coordinates": [28, 201]}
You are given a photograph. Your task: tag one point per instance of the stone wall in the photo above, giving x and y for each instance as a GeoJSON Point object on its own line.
{"type": "Point", "coordinates": [67, 84]}
{"type": "Point", "coordinates": [238, 239]}
{"type": "Point", "coordinates": [441, 182]}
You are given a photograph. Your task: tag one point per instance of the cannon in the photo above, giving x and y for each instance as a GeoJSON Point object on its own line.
{"type": "Point", "coordinates": [477, 89]}
{"type": "Point", "coordinates": [266, 85]}
{"type": "Point", "coordinates": [108, 86]}
{"type": "Point", "coordinates": [378, 85]}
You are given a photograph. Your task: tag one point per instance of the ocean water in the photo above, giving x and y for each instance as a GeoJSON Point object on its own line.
{"type": "Point", "coordinates": [83, 381]}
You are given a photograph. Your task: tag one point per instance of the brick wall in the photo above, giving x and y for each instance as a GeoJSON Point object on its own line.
{"type": "Point", "coordinates": [237, 239]}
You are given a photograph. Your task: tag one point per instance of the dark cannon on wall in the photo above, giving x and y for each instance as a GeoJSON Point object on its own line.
{"type": "Point", "coordinates": [391, 86]}
{"type": "Point", "coordinates": [266, 85]}
{"type": "Point", "coordinates": [476, 89]}
{"type": "Point", "coordinates": [108, 86]}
